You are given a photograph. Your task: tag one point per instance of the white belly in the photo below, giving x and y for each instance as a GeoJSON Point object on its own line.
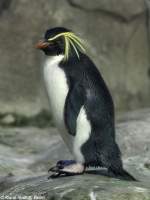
{"type": "Point", "coordinates": [83, 131]}
{"type": "Point", "coordinates": [57, 89]}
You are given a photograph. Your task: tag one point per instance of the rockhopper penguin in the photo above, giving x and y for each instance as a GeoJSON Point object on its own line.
{"type": "Point", "coordinates": [81, 105]}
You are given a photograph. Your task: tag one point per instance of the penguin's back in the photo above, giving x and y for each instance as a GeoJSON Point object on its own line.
{"type": "Point", "coordinates": [89, 112]}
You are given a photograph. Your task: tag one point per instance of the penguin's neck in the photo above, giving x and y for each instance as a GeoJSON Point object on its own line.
{"type": "Point", "coordinates": [53, 60]}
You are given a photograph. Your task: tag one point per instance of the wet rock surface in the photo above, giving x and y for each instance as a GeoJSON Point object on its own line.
{"type": "Point", "coordinates": [28, 153]}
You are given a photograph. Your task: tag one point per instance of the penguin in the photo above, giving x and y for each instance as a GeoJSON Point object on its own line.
{"type": "Point", "coordinates": [81, 105]}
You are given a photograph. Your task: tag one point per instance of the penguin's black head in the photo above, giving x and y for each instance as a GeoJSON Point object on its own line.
{"type": "Point", "coordinates": [54, 46]}
{"type": "Point", "coordinates": [60, 41]}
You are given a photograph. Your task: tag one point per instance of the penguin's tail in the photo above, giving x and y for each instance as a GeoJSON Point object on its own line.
{"type": "Point", "coordinates": [121, 174]}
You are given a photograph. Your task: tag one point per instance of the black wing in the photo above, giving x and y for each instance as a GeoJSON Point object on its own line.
{"type": "Point", "coordinates": [74, 101]}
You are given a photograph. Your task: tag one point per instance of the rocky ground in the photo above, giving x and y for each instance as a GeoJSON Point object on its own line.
{"type": "Point", "coordinates": [28, 152]}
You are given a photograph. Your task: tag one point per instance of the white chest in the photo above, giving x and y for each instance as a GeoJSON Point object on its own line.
{"type": "Point", "coordinates": [57, 88]}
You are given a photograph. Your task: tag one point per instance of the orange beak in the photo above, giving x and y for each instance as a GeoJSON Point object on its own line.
{"type": "Point", "coordinates": [41, 45]}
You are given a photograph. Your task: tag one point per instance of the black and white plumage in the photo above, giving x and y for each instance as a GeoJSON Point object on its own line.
{"type": "Point", "coordinates": [82, 106]}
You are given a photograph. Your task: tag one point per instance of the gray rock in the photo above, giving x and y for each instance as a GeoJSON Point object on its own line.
{"type": "Point", "coordinates": [117, 33]}
{"type": "Point", "coordinates": [8, 119]}
{"type": "Point", "coordinates": [28, 153]}
{"type": "Point", "coordinates": [86, 187]}
{"type": "Point", "coordinates": [125, 9]}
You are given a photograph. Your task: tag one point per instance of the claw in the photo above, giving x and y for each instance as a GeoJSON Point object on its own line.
{"type": "Point", "coordinates": [54, 175]}
{"type": "Point", "coordinates": [54, 169]}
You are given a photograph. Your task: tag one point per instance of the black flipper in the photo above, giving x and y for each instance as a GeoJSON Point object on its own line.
{"type": "Point", "coordinates": [74, 101]}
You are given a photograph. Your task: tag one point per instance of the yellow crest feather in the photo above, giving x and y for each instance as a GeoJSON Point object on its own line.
{"type": "Point", "coordinates": [70, 40]}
